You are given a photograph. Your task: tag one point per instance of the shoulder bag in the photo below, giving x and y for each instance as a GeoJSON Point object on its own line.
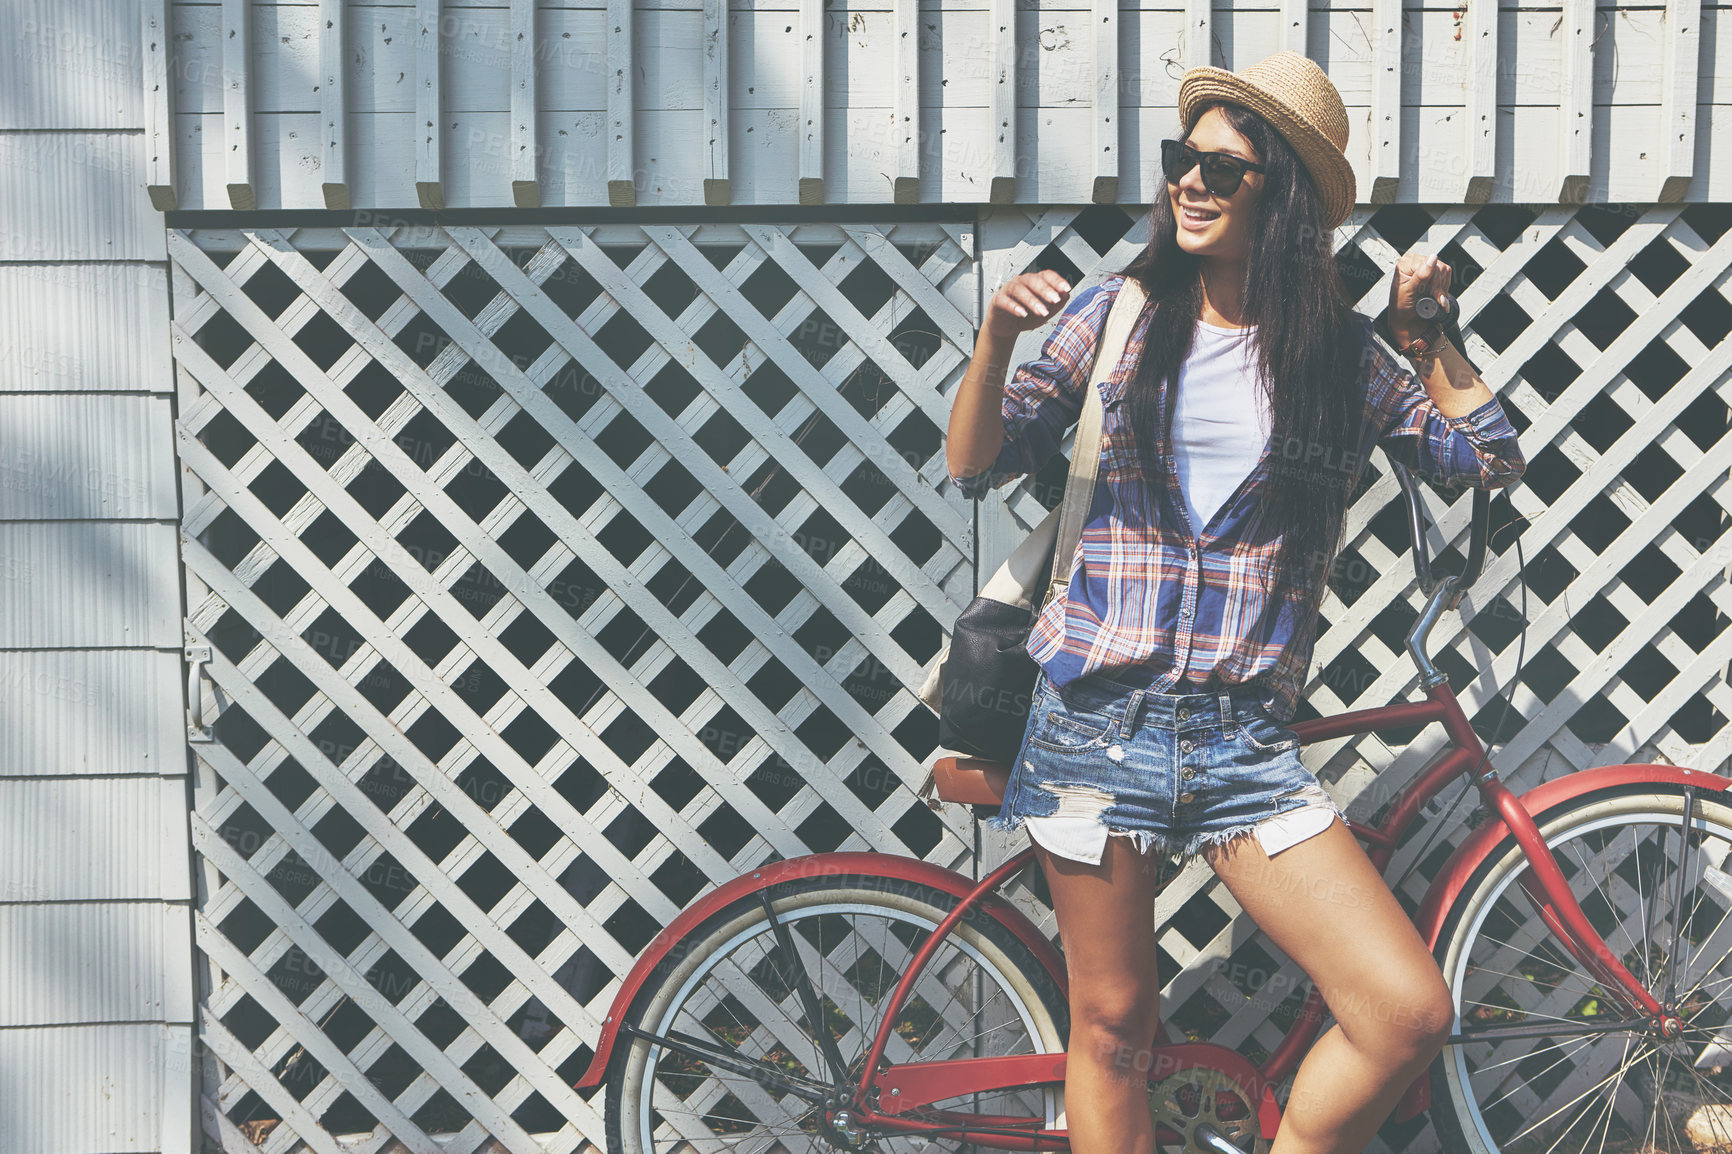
{"type": "Point", "coordinates": [982, 684]}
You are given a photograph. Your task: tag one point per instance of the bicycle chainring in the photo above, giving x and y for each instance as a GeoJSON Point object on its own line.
{"type": "Point", "coordinates": [1184, 1102]}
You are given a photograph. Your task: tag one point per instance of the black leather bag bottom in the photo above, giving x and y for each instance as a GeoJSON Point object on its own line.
{"type": "Point", "coordinates": [988, 682]}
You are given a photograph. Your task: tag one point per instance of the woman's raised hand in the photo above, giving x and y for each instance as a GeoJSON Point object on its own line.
{"type": "Point", "coordinates": [1026, 301]}
{"type": "Point", "coordinates": [1416, 275]}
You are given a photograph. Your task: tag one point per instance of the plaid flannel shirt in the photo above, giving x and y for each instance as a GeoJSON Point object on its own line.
{"type": "Point", "coordinates": [1158, 602]}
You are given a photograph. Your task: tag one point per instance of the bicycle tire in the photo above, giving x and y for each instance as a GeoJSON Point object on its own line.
{"type": "Point", "coordinates": [1547, 1096]}
{"type": "Point", "coordinates": [996, 950]}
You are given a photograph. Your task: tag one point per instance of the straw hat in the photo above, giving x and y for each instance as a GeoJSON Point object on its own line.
{"type": "Point", "coordinates": [1298, 100]}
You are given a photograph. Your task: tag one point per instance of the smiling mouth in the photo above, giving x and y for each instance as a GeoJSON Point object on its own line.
{"type": "Point", "coordinates": [1198, 214]}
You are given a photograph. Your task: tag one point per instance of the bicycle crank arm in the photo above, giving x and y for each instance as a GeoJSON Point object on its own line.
{"type": "Point", "coordinates": [721, 1059]}
{"type": "Point", "coordinates": [1208, 1138]}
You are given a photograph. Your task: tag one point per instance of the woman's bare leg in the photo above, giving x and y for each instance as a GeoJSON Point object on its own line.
{"type": "Point", "coordinates": [1324, 903]}
{"type": "Point", "coordinates": [1106, 922]}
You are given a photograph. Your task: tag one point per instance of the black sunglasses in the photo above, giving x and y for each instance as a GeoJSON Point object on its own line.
{"type": "Point", "coordinates": [1222, 171]}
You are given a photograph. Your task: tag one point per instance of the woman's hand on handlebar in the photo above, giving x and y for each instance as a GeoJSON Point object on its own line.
{"type": "Point", "coordinates": [1026, 301]}
{"type": "Point", "coordinates": [1416, 275]}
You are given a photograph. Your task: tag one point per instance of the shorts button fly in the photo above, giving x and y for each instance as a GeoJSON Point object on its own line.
{"type": "Point", "coordinates": [1187, 796]}
{"type": "Point", "coordinates": [1187, 745]}
{"type": "Point", "coordinates": [1184, 713]}
{"type": "Point", "coordinates": [1188, 772]}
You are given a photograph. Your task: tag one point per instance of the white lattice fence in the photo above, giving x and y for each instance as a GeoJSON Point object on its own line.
{"type": "Point", "coordinates": [557, 574]}
{"type": "Point", "coordinates": [553, 576]}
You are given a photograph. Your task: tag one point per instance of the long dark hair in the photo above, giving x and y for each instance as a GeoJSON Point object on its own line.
{"type": "Point", "coordinates": [1307, 352]}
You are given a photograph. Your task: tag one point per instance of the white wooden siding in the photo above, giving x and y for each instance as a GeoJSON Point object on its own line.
{"type": "Point", "coordinates": [113, 1088]}
{"type": "Point", "coordinates": [86, 963]}
{"type": "Point", "coordinates": [76, 196]}
{"type": "Point", "coordinates": [116, 346]}
{"type": "Point", "coordinates": [88, 584]}
{"type": "Point", "coordinates": [85, 456]}
{"type": "Point", "coordinates": [84, 839]}
{"type": "Point", "coordinates": [97, 972]}
{"type": "Point", "coordinates": [1624, 114]}
{"type": "Point", "coordinates": [100, 712]}
{"type": "Point", "coordinates": [70, 63]}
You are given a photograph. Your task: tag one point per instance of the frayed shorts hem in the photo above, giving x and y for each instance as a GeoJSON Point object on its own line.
{"type": "Point", "coordinates": [1144, 840]}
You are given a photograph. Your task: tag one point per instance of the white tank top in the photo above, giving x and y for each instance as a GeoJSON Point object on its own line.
{"type": "Point", "coordinates": [1220, 421]}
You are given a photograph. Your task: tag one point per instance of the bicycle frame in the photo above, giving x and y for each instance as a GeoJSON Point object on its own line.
{"type": "Point", "coordinates": [884, 1099]}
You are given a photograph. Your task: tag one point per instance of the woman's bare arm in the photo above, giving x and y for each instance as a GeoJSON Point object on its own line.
{"type": "Point", "coordinates": [976, 431]}
{"type": "Point", "coordinates": [1455, 388]}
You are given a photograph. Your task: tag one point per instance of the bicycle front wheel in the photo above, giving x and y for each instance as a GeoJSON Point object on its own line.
{"type": "Point", "coordinates": [754, 1062]}
{"type": "Point", "coordinates": [1575, 1080]}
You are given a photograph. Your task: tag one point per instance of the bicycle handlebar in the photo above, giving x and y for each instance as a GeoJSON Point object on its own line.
{"type": "Point", "coordinates": [1416, 522]}
{"type": "Point", "coordinates": [1442, 592]}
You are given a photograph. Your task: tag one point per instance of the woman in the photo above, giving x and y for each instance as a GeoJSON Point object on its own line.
{"type": "Point", "coordinates": [1168, 671]}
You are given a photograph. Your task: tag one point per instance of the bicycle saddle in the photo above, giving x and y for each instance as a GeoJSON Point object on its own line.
{"type": "Point", "coordinates": [970, 780]}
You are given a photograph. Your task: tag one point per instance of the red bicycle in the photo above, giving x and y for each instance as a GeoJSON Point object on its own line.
{"type": "Point", "coordinates": [867, 1001]}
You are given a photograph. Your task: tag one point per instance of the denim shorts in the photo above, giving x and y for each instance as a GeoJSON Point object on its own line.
{"type": "Point", "coordinates": [1174, 772]}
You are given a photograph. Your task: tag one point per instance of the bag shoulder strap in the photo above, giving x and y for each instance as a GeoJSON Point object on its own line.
{"type": "Point", "coordinates": [1085, 458]}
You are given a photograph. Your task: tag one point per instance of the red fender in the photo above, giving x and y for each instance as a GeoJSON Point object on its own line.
{"type": "Point", "coordinates": [1493, 837]}
{"type": "Point", "coordinates": [906, 869]}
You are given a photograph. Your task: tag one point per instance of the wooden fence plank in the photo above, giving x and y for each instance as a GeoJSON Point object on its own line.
{"type": "Point", "coordinates": [429, 106]}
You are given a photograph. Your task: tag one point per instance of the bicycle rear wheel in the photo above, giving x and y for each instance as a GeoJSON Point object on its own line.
{"type": "Point", "coordinates": [1580, 1084]}
{"type": "Point", "coordinates": [984, 993]}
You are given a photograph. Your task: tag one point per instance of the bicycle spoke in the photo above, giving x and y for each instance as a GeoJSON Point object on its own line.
{"type": "Point", "coordinates": [733, 977]}
{"type": "Point", "coordinates": [1705, 984]}
{"type": "Point", "coordinates": [1583, 992]}
{"type": "Point", "coordinates": [1659, 1113]}
{"type": "Point", "coordinates": [796, 976]}
{"type": "Point", "coordinates": [927, 987]}
{"type": "Point", "coordinates": [1642, 904]}
{"type": "Point", "coordinates": [1582, 1043]}
{"type": "Point", "coordinates": [1609, 1077]}
{"type": "Point", "coordinates": [744, 1089]}
{"type": "Point", "coordinates": [1594, 872]}
{"type": "Point", "coordinates": [1615, 902]}
{"type": "Point", "coordinates": [1682, 869]}
{"type": "Point", "coordinates": [769, 1014]}
{"type": "Point", "coordinates": [942, 1018]}
{"type": "Point", "coordinates": [1722, 932]}
{"type": "Point", "coordinates": [757, 1138]}
{"type": "Point", "coordinates": [1611, 1101]}
{"type": "Point", "coordinates": [1529, 1014]}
